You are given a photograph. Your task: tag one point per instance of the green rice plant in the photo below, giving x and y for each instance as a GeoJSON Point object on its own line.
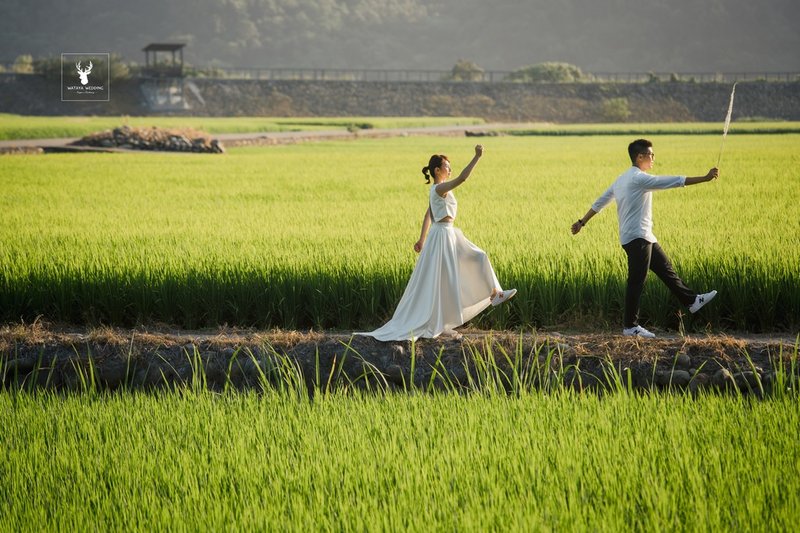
{"type": "Point", "coordinates": [370, 377]}
{"type": "Point", "coordinates": [85, 373]}
{"type": "Point", "coordinates": [493, 369]}
{"type": "Point", "coordinates": [441, 375]}
{"type": "Point", "coordinates": [171, 371]}
{"type": "Point", "coordinates": [786, 374]}
{"type": "Point", "coordinates": [697, 371]}
{"type": "Point", "coordinates": [319, 236]}
{"type": "Point", "coordinates": [350, 461]}
{"type": "Point", "coordinates": [613, 376]}
{"type": "Point", "coordinates": [278, 371]}
{"type": "Point", "coordinates": [198, 381]}
{"type": "Point", "coordinates": [234, 357]}
{"type": "Point", "coordinates": [756, 374]}
{"type": "Point", "coordinates": [543, 375]}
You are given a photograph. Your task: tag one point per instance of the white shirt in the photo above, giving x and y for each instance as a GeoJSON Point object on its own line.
{"type": "Point", "coordinates": [633, 193]}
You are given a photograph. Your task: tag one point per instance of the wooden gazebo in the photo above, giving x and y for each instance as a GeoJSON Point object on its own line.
{"type": "Point", "coordinates": [167, 68]}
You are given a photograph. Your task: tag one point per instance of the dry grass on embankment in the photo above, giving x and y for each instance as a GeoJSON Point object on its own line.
{"type": "Point", "coordinates": [40, 356]}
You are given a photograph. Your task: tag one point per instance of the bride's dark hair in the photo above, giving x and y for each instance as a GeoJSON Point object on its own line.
{"type": "Point", "coordinates": [436, 161]}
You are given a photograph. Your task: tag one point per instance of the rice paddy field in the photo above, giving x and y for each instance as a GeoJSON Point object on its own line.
{"type": "Point", "coordinates": [197, 461]}
{"type": "Point", "coordinates": [45, 127]}
{"type": "Point", "coordinates": [320, 235]}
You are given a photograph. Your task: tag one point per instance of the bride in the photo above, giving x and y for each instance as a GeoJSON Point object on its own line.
{"type": "Point", "coordinates": [453, 280]}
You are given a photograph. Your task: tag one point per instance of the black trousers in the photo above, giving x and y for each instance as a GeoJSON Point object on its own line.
{"type": "Point", "coordinates": [644, 256]}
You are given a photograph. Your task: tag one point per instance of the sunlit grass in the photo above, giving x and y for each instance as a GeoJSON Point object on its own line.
{"type": "Point", "coordinates": [186, 460]}
{"type": "Point", "coordinates": [321, 234]}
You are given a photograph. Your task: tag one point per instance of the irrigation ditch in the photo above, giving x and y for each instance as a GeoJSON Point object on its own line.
{"type": "Point", "coordinates": [35, 358]}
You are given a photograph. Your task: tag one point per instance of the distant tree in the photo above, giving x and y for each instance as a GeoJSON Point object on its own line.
{"type": "Point", "coordinates": [548, 72]}
{"type": "Point", "coordinates": [49, 67]}
{"type": "Point", "coordinates": [465, 70]}
{"type": "Point", "coordinates": [615, 110]}
{"type": "Point", "coordinates": [117, 68]}
{"type": "Point", "coordinates": [23, 64]}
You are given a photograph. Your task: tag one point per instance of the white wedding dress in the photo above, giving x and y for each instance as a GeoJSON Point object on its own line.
{"type": "Point", "coordinates": [451, 283]}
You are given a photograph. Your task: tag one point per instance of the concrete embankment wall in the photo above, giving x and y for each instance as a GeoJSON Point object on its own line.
{"type": "Point", "coordinates": [574, 102]}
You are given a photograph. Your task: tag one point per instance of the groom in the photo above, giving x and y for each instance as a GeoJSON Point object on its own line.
{"type": "Point", "coordinates": [633, 191]}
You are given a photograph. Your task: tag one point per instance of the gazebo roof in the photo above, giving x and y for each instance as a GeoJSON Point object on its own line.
{"type": "Point", "coordinates": [163, 47]}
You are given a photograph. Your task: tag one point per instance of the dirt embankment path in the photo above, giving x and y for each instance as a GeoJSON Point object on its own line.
{"type": "Point", "coordinates": [37, 357]}
{"type": "Point", "coordinates": [21, 146]}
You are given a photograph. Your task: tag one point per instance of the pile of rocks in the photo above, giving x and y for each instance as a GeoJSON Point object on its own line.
{"type": "Point", "coordinates": [171, 140]}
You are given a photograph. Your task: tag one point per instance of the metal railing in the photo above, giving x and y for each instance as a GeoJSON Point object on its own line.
{"type": "Point", "coordinates": [419, 75]}
{"type": "Point", "coordinates": [327, 74]}
{"type": "Point", "coordinates": [703, 77]}
{"type": "Point", "coordinates": [491, 76]}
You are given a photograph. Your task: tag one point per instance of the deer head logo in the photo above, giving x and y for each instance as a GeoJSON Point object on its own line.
{"type": "Point", "coordinates": [84, 74]}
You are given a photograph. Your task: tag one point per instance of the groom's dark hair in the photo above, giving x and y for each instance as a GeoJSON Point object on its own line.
{"type": "Point", "coordinates": [639, 146]}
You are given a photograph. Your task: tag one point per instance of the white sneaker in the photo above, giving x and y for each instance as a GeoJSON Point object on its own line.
{"type": "Point", "coordinates": [701, 300]}
{"type": "Point", "coordinates": [638, 331]}
{"type": "Point", "coordinates": [502, 296]}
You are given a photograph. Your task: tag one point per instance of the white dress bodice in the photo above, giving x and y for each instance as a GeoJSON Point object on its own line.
{"type": "Point", "coordinates": [442, 207]}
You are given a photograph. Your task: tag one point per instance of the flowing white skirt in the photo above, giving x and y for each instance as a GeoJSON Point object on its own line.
{"type": "Point", "coordinates": [451, 283]}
